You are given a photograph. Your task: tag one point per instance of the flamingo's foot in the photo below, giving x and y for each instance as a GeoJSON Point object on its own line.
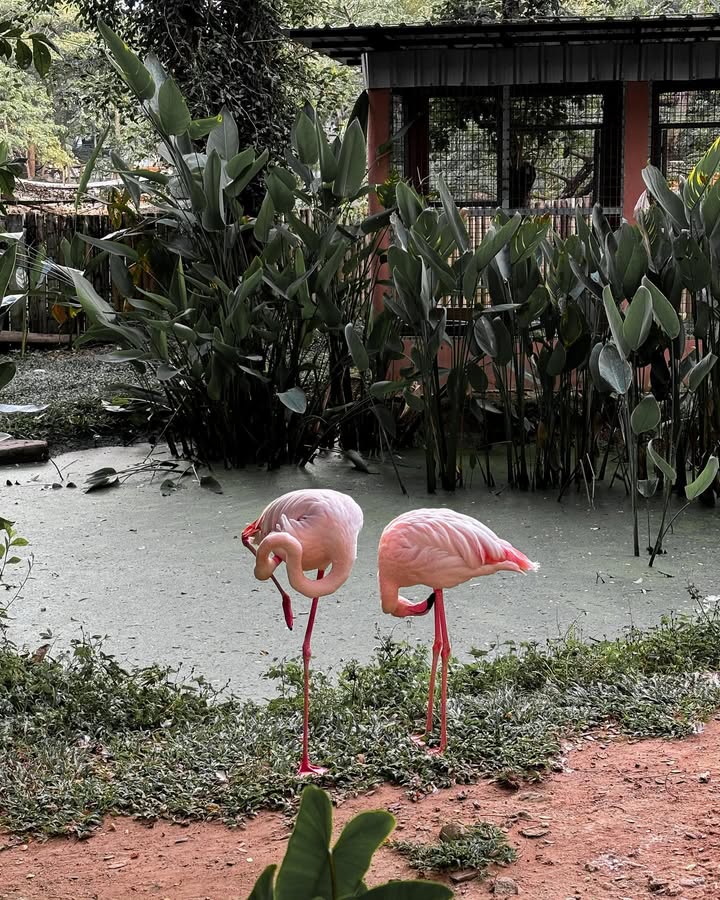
{"type": "Point", "coordinates": [436, 751]}
{"type": "Point", "coordinates": [418, 739]}
{"type": "Point", "coordinates": [306, 768]}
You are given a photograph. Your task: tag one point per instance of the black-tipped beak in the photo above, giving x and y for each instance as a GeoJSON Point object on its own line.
{"type": "Point", "coordinates": [287, 611]}
{"type": "Point", "coordinates": [430, 602]}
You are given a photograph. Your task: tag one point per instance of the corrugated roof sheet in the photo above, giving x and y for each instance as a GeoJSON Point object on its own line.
{"type": "Point", "coordinates": [348, 44]}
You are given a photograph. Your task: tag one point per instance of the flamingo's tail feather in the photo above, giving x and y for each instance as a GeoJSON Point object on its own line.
{"type": "Point", "coordinates": [521, 561]}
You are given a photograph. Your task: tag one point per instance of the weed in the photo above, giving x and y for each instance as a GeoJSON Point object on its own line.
{"type": "Point", "coordinates": [481, 846]}
{"type": "Point", "coordinates": [81, 736]}
{"type": "Point", "coordinates": [72, 425]}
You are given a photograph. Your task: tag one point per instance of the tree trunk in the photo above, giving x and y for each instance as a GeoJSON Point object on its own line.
{"type": "Point", "coordinates": [31, 161]}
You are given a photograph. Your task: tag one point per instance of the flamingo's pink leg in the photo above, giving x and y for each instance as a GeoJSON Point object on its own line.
{"type": "Point", "coordinates": [306, 768]}
{"type": "Point", "coordinates": [436, 648]}
{"type": "Point", "coordinates": [287, 606]}
{"type": "Point", "coordinates": [445, 654]}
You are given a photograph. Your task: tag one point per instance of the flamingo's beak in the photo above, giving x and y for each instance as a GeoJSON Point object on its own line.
{"type": "Point", "coordinates": [287, 611]}
{"type": "Point", "coordinates": [408, 608]}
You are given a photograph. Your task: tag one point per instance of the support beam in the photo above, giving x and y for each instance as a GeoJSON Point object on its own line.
{"type": "Point", "coordinates": [636, 143]}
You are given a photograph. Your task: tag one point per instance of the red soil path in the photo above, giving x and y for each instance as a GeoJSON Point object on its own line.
{"type": "Point", "coordinates": [624, 820]}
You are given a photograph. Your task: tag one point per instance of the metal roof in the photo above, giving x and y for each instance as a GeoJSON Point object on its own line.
{"type": "Point", "coordinates": [350, 43]}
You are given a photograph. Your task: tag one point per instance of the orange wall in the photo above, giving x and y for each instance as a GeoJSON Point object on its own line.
{"type": "Point", "coordinates": [636, 149]}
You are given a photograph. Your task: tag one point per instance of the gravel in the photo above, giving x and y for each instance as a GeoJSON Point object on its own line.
{"type": "Point", "coordinates": [63, 376]}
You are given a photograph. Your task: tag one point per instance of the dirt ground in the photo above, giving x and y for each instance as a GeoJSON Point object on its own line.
{"type": "Point", "coordinates": [624, 820]}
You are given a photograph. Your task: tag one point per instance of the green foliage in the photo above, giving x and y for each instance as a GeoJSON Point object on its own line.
{"type": "Point", "coordinates": [155, 747]}
{"type": "Point", "coordinates": [311, 868]}
{"type": "Point", "coordinates": [481, 845]}
{"type": "Point", "coordinates": [12, 554]}
{"type": "Point", "coordinates": [245, 329]}
{"type": "Point", "coordinates": [229, 55]}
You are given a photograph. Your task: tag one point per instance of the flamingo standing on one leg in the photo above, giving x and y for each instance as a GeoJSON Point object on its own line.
{"type": "Point", "coordinates": [440, 548]}
{"type": "Point", "coordinates": [307, 529]}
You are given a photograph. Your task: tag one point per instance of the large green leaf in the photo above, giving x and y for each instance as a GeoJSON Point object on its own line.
{"type": "Point", "coordinates": [356, 348]}
{"type": "Point", "coordinates": [7, 267]}
{"type": "Point", "coordinates": [556, 362]}
{"type": "Point", "coordinates": [663, 310]}
{"type": "Point", "coordinates": [213, 215]}
{"type": "Point", "coordinates": [495, 240]}
{"type": "Point", "coordinates": [243, 179]}
{"type": "Point", "coordinates": [646, 415]}
{"type": "Point", "coordinates": [174, 114]}
{"type": "Point", "coordinates": [281, 185]}
{"type": "Point", "coordinates": [353, 852]}
{"type": "Point", "coordinates": [661, 464]}
{"type": "Point", "coordinates": [614, 320]}
{"type": "Point", "coordinates": [296, 401]}
{"type": "Point", "coordinates": [704, 480]}
{"type": "Point", "coordinates": [224, 138]}
{"type": "Point", "coordinates": [598, 381]}
{"type": "Point", "coordinates": [701, 176]}
{"type": "Point", "coordinates": [692, 263]}
{"type": "Point", "coordinates": [504, 342]}
{"type": "Point", "coordinates": [484, 335]}
{"type": "Point", "coordinates": [133, 71]}
{"type": "Point", "coordinates": [700, 371]}
{"type": "Point", "coordinates": [328, 161]}
{"type": "Point", "coordinates": [265, 219]}
{"type": "Point", "coordinates": [305, 870]}
{"type": "Point", "coordinates": [95, 308]}
{"type": "Point", "coordinates": [671, 202]}
{"type": "Point", "coordinates": [638, 319]}
{"type": "Point", "coordinates": [90, 167]}
{"type": "Point", "coordinates": [352, 162]}
{"type": "Point", "coordinates": [615, 369]}
{"type": "Point", "coordinates": [408, 203]}
{"type": "Point", "coordinates": [114, 248]}
{"type": "Point", "coordinates": [7, 372]}
{"type": "Point", "coordinates": [304, 139]}
{"type": "Point", "coordinates": [264, 889]}
{"type": "Point", "coordinates": [455, 221]}
{"type": "Point", "coordinates": [198, 128]}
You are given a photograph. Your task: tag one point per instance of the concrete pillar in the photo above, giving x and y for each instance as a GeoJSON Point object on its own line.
{"type": "Point", "coordinates": [380, 100]}
{"type": "Point", "coordinates": [636, 143]}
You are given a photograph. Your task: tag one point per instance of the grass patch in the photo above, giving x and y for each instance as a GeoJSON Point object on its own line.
{"type": "Point", "coordinates": [81, 736]}
{"type": "Point", "coordinates": [481, 846]}
{"type": "Point", "coordinates": [71, 424]}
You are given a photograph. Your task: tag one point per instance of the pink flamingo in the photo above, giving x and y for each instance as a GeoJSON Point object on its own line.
{"type": "Point", "coordinates": [307, 529]}
{"type": "Point", "coordinates": [440, 548]}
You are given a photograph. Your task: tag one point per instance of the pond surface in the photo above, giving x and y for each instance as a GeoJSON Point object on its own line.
{"type": "Point", "coordinates": [168, 580]}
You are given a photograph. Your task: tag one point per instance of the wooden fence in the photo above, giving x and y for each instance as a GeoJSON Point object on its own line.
{"type": "Point", "coordinates": [45, 231]}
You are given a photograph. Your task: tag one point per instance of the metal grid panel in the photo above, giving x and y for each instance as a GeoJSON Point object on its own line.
{"type": "Point", "coordinates": [398, 114]}
{"type": "Point", "coordinates": [463, 146]}
{"type": "Point", "coordinates": [686, 124]}
{"type": "Point", "coordinates": [556, 143]}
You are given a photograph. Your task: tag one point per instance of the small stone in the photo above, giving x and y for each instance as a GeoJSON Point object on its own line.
{"type": "Point", "coordinates": [704, 777]}
{"type": "Point", "coordinates": [452, 831]}
{"type": "Point", "coordinates": [463, 876]}
{"type": "Point", "coordinates": [536, 832]}
{"type": "Point", "coordinates": [698, 881]}
{"type": "Point", "coordinates": [505, 887]}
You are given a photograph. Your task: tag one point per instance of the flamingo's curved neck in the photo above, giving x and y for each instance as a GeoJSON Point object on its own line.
{"type": "Point", "coordinates": [290, 549]}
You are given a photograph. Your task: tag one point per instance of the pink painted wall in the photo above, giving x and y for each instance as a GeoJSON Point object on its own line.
{"type": "Point", "coordinates": [636, 143]}
{"type": "Point", "coordinates": [378, 164]}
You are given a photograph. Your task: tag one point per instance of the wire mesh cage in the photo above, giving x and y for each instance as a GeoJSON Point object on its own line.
{"type": "Point", "coordinates": [516, 149]}
{"type": "Point", "coordinates": [686, 121]}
